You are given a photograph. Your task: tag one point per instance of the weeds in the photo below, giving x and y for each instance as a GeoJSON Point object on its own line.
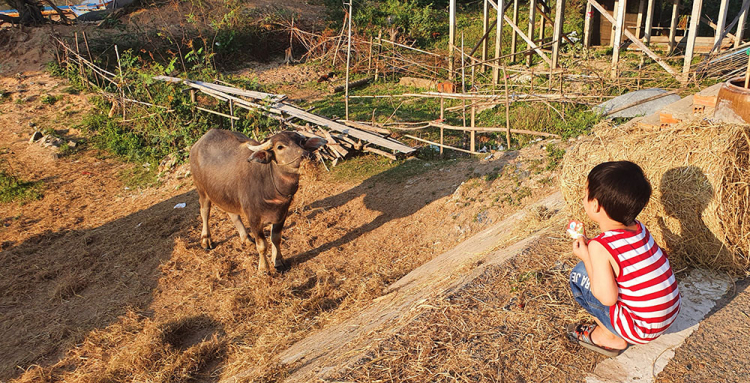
{"type": "Point", "coordinates": [554, 156]}
{"type": "Point", "coordinates": [50, 99]}
{"type": "Point", "coordinates": [13, 189]}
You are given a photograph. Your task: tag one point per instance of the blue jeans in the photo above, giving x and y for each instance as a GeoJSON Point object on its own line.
{"type": "Point", "coordinates": [580, 285]}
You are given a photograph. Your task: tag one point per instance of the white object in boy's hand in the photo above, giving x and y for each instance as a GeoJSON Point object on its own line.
{"type": "Point", "coordinates": [576, 229]}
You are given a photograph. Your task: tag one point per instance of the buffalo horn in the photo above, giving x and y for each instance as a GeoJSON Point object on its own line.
{"type": "Point", "coordinates": [264, 146]}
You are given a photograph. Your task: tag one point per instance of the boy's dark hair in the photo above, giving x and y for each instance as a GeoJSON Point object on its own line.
{"type": "Point", "coordinates": [621, 189]}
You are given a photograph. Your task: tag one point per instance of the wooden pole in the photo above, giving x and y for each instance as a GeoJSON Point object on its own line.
{"type": "Point", "coordinates": [588, 25]}
{"type": "Point", "coordinates": [451, 36]}
{"type": "Point", "coordinates": [557, 32]}
{"type": "Point", "coordinates": [473, 145]}
{"type": "Point", "coordinates": [649, 21]}
{"type": "Point", "coordinates": [541, 28]}
{"type": "Point", "coordinates": [619, 26]}
{"type": "Point", "coordinates": [721, 23]}
{"type": "Point", "coordinates": [485, 31]}
{"type": "Point", "coordinates": [507, 109]}
{"type": "Point", "coordinates": [614, 15]}
{"type": "Point", "coordinates": [639, 20]}
{"type": "Point", "coordinates": [740, 28]}
{"type": "Point", "coordinates": [91, 59]}
{"type": "Point", "coordinates": [377, 56]}
{"type": "Point", "coordinates": [348, 61]}
{"type": "Point", "coordinates": [747, 75]}
{"type": "Point", "coordinates": [632, 38]}
{"type": "Point", "coordinates": [673, 25]}
{"type": "Point", "coordinates": [532, 17]}
{"type": "Point", "coordinates": [369, 58]}
{"type": "Point", "coordinates": [514, 36]}
{"type": "Point", "coordinates": [692, 34]}
{"type": "Point", "coordinates": [121, 83]}
{"type": "Point", "coordinates": [498, 40]}
{"type": "Point", "coordinates": [231, 113]}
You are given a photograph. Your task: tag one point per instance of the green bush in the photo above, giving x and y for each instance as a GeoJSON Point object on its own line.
{"type": "Point", "coordinates": [417, 20]}
{"type": "Point", "coordinates": [13, 189]}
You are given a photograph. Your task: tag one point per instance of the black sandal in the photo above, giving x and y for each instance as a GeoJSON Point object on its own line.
{"type": "Point", "coordinates": [581, 334]}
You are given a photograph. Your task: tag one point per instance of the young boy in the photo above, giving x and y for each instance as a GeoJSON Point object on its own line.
{"type": "Point", "coordinates": [624, 279]}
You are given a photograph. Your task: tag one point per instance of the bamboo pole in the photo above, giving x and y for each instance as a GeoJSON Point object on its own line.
{"type": "Point", "coordinates": [377, 57]}
{"type": "Point", "coordinates": [498, 39]}
{"type": "Point", "coordinates": [348, 61]}
{"type": "Point", "coordinates": [485, 33]}
{"type": "Point", "coordinates": [507, 107]}
{"type": "Point", "coordinates": [619, 26]}
{"type": "Point", "coordinates": [514, 36]}
{"type": "Point", "coordinates": [438, 144]}
{"type": "Point", "coordinates": [481, 129]}
{"type": "Point", "coordinates": [532, 17]}
{"type": "Point", "coordinates": [451, 36]}
{"type": "Point", "coordinates": [122, 81]}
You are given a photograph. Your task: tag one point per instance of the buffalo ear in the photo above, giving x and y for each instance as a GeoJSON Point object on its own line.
{"type": "Point", "coordinates": [261, 156]}
{"type": "Point", "coordinates": [313, 143]}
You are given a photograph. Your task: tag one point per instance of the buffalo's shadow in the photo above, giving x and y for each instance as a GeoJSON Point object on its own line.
{"type": "Point", "coordinates": [393, 193]}
{"type": "Point", "coordinates": [56, 287]}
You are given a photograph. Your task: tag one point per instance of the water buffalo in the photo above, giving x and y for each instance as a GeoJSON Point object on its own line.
{"type": "Point", "coordinates": [242, 176]}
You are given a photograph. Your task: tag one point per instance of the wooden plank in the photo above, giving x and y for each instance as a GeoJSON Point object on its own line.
{"type": "Point", "coordinates": [649, 21]}
{"type": "Point", "coordinates": [588, 25]}
{"type": "Point", "coordinates": [692, 33]}
{"type": "Point", "coordinates": [366, 127]}
{"type": "Point", "coordinates": [380, 152]}
{"type": "Point", "coordinates": [673, 25]}
{"type": "Point", "coordinates": [619, 26]}
{"type": "Point", "coordinates": [222, 88]}
{"type": "Point", "coordinates": [322, 121]}
{"type": "Point", "coordinates": [532, 19]}
{"type": "Point", "coordinates": [721, 23]}
{"type": "Point", "coordinates": [639, 20]}
{"type": "Point", "coordinates": [740, 28]}
{"type": "Point", "coordinates": [635, 41]}
{"type": "Point", "coordinates": [557, 32]}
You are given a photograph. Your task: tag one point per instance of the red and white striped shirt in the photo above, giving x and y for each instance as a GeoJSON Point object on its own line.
{"type": "Point", "coordinates": [648, 300]}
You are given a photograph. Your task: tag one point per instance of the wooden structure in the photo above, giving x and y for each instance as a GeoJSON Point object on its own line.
{"type": "Point", "coordinates": [607, 21]}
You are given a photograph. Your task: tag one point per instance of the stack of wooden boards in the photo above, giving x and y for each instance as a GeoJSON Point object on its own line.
{"type": "Point", "coordinates": [699, 104]}
{"type": "Point", "coordinates": [343, 137]}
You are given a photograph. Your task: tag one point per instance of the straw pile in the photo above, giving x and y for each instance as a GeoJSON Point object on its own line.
{"type": "Point", "coordinates": [699, 173]}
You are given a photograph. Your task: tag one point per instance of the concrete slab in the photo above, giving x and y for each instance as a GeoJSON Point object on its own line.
{"type": "Point", "coordinates": [644, 109]}
{"type": "Point", "coordinates": [700, 290]}
{"type": "Point", "coordinates": [677, 111]}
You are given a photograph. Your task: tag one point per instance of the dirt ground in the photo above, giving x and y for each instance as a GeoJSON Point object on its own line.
{"type": "Point", "coordinates": [103, 281]}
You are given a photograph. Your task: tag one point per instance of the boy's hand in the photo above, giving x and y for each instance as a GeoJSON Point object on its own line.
{"type": "Point", "coordinates": [581, 249]}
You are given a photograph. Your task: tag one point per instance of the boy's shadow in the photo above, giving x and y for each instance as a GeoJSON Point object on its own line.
{"type": "Point", "coordinates": [685, 194]}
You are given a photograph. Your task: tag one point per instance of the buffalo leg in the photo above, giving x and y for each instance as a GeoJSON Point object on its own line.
{"type": "Point", "coordinates": [205, 213]}
{"type": "Point", "coordinates": [276, 258]}
{"type": "Point", "coordinates": [261, 245]}
{"type": "Point", "coordinates": [240, 227]}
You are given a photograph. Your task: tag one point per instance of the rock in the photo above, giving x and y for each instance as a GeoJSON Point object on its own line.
{"type": "Point", "coordinates": [32, 124]}
{"type": "Point", "coordinates": [35, 136]}
{"type": "Point", "coordinates": [48, 141]}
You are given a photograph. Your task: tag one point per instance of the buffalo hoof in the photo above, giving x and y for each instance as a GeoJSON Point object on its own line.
{"type": "Point", "coordinates": [206, 244]}
{"type": "Point", "coordinates": [282, 267]}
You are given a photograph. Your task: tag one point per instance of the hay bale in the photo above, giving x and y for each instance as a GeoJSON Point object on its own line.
{"type": "Point", "coordinates": [699, 173]}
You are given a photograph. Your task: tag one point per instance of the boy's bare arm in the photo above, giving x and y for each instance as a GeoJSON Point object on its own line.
{"type": "Point", "coordinates": [596, 260]}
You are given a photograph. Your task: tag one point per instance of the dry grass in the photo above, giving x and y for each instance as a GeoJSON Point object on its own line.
{"type": "Point", "coordinates": [507, 325]}
{"type": "Point", "coordinates": [699, 172]}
